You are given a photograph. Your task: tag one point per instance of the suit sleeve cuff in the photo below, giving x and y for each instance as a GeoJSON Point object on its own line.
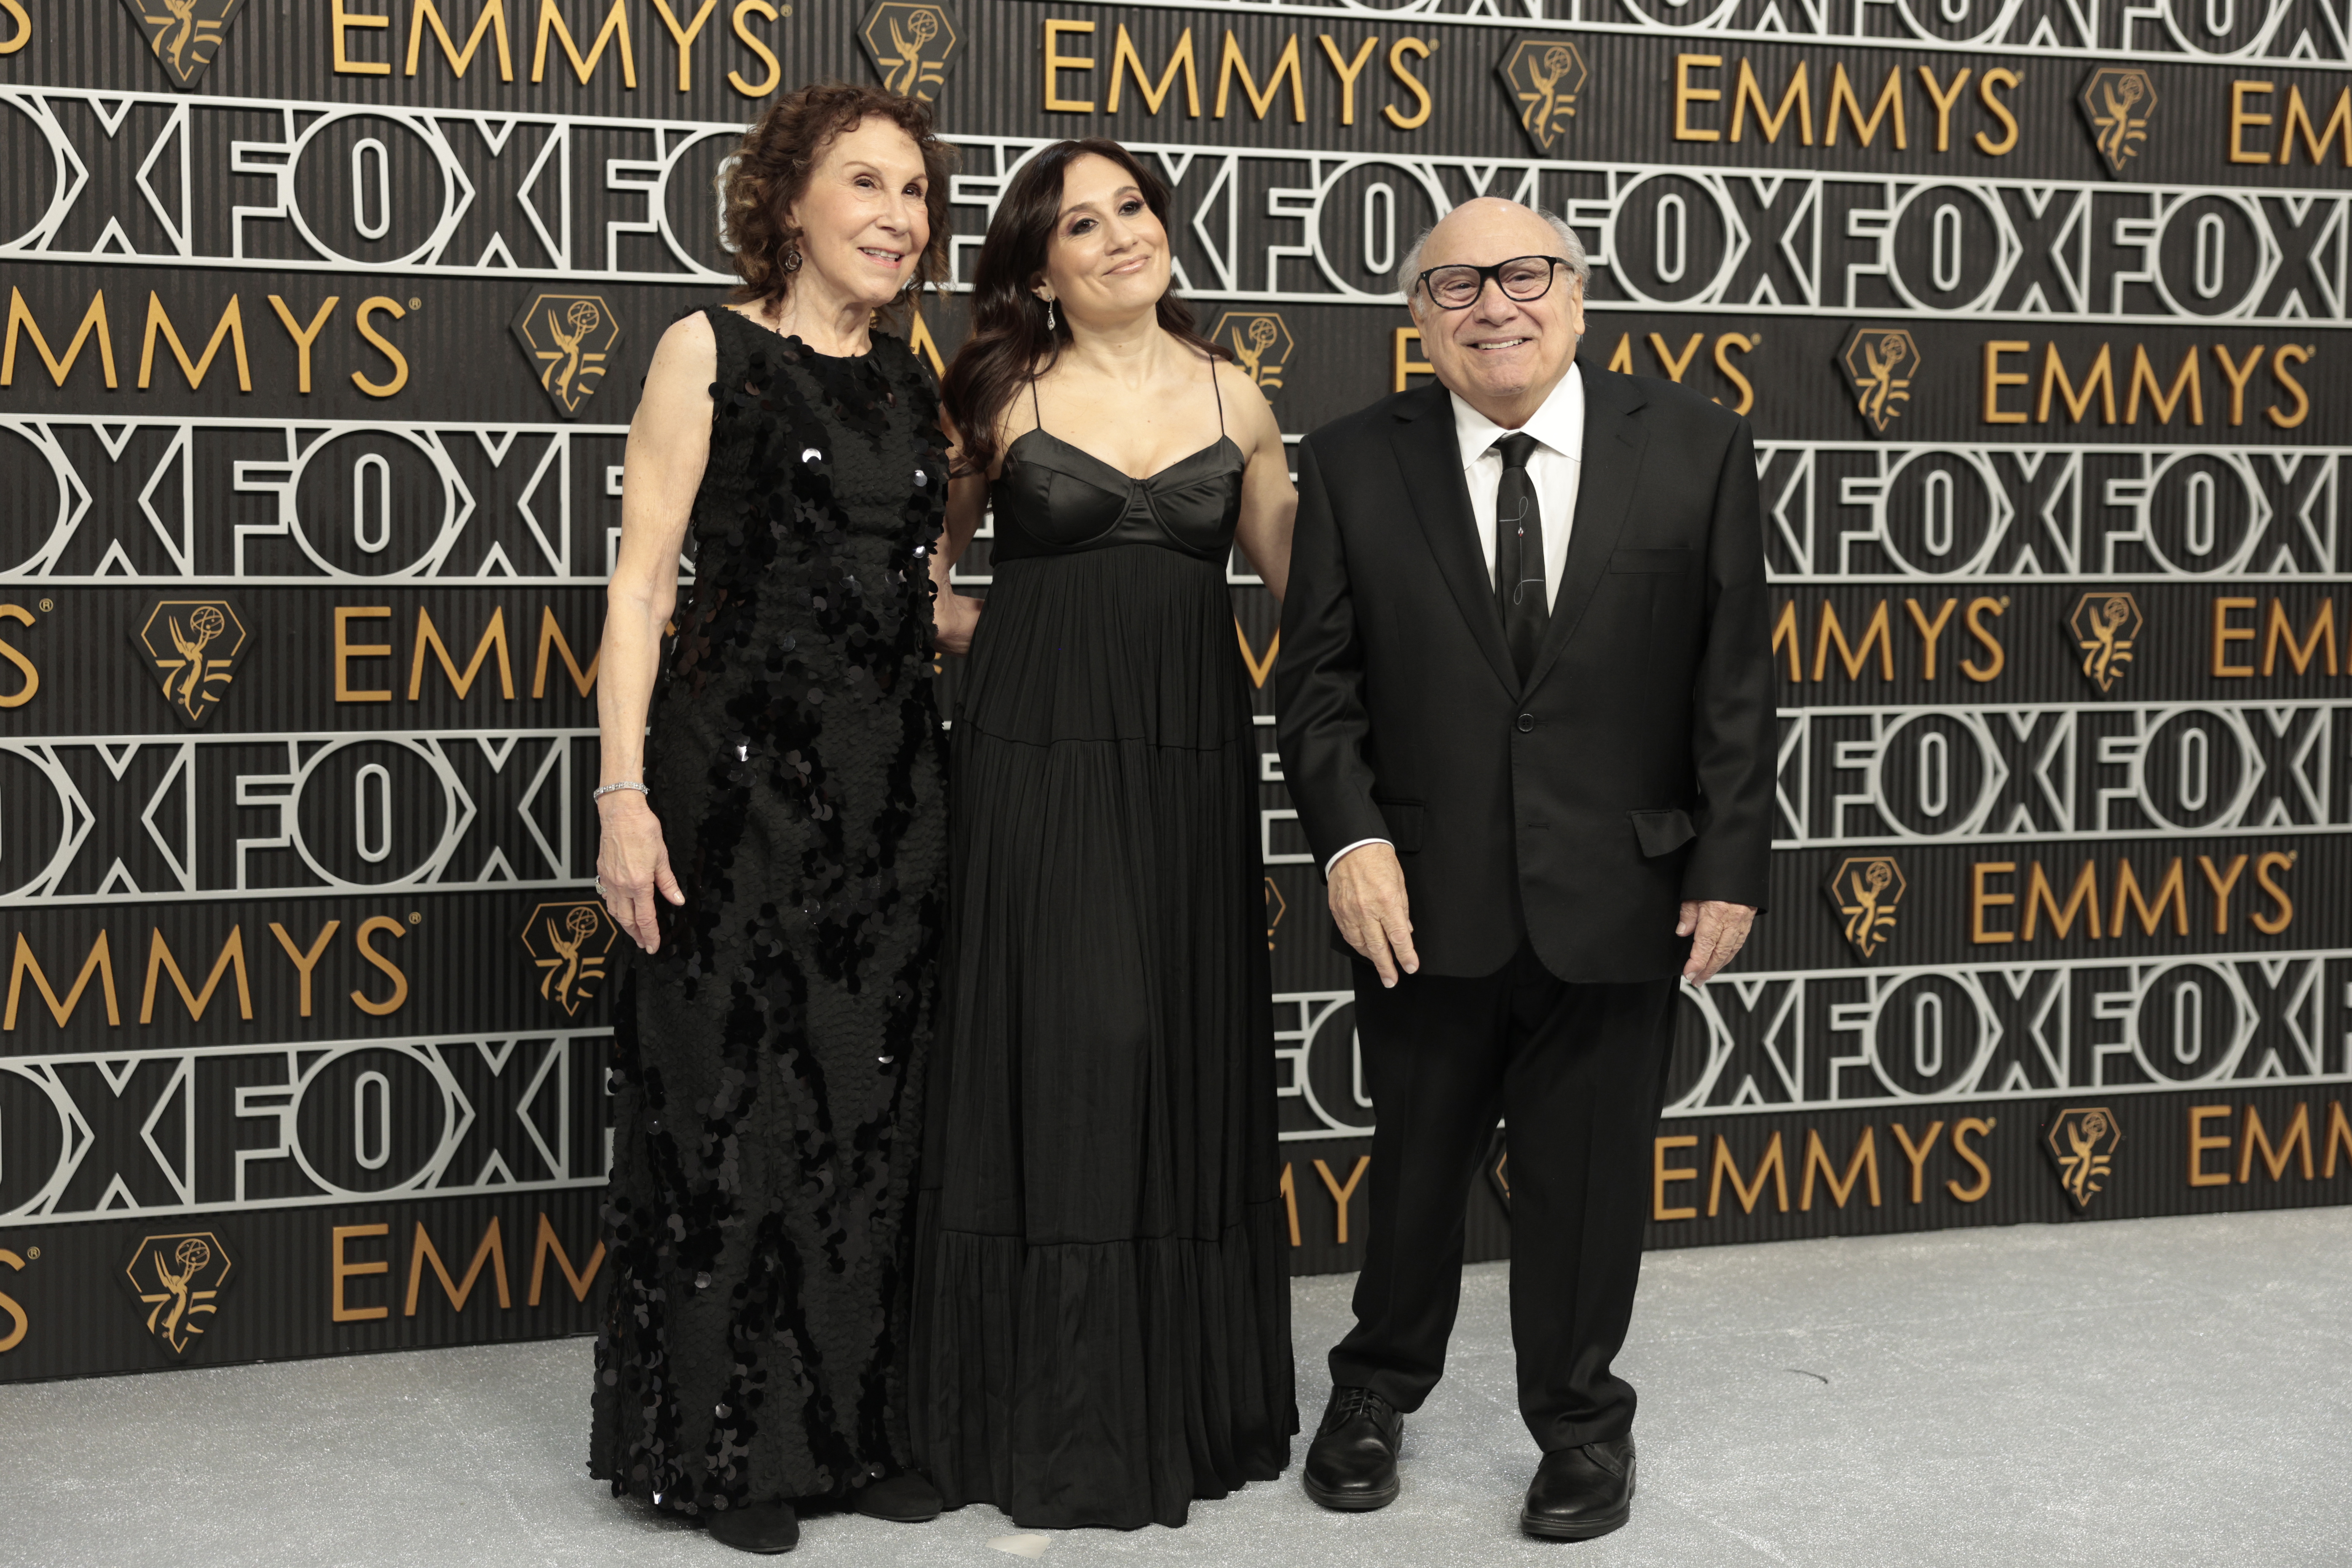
{"type": "Point", "coordinates": [1347, 851]}
{"type": "Point", "coordinates": [1709, 881]}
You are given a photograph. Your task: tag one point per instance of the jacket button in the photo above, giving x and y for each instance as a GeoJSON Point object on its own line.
{"type": "Point", "coordinates": [1527, 723]}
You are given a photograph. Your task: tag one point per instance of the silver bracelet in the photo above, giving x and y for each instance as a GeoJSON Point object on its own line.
{"type": "Point", "coordinates": [603, 790]}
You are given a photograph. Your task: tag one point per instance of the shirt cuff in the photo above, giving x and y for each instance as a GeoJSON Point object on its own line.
{"type": "Point", "coordinates": [1351, 849]}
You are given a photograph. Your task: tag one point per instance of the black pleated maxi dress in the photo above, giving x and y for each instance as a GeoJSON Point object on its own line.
{"type": "Point", "coordinates": [767, 1060]}
{"type": "Point", "coordinates": [1102, 1296]}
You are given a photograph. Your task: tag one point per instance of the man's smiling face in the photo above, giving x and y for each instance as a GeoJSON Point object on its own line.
{"type": "Point", "coordinates": [1502, 355]}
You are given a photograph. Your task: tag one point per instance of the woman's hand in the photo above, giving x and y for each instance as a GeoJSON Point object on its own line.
{"type": "Point", "coordinates": [632, 862]}
{"type": "Point", "coordinates": [954, 617]}
{"type": "Point", "coordinates": [669, 443]}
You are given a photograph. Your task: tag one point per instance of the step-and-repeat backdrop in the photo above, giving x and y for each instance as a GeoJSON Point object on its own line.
{"type": "Point", "coordinates": [324, 322]}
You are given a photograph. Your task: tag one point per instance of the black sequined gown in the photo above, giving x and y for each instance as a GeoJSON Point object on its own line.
{"type": "Point", "coordinates": [769, 1059]}
{"type": "Point", "coordinates": [1102, 1323]}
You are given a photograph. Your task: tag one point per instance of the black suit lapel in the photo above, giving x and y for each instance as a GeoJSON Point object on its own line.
{"type": "Point", "coordinates": [1431, 463]}
{"type": "Point", "coordinates": [1613, 443]}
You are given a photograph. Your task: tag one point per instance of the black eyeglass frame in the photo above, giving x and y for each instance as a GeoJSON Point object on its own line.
{"type": "Point", "coordinates": [1495, 275]}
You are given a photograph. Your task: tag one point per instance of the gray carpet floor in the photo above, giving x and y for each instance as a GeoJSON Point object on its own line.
{"type": "Point", "coordinates": [2173, 1391]}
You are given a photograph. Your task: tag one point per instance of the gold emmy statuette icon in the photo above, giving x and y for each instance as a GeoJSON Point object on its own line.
{"type": "Point", "coordinates": [569, 943]}
{"type": "Point", "coordinates": [1880, 363]}
{"type": "Point", "coordinates": [910, 46]}
{"type": "Point", "coordinates": [570, 338]}
{"type": "Point", "coordinates": [179, 1279]}
{"type": "Point", "coordinates": [1865, 889]}
{"type": "Point", "coordinates": [583, 316]}
{"type": "Point", "coordinates": [923, 26]}
{"type": "Point", "coordinates": [204, 624]}
{"type": "Point", "coordinates": [184, 35]}
{"type": "Point", "coordinates": [1276, 907]}
{"type": "Point", "coordinates": [1251, 355]}
{"type": "Point", "coordinates": [195, 645]}
{"type": "Point", "coordinates": [2117, 101]}
{"type": "Point", "coordinates": [2104, 626]}
{"type": "Point", "coordinates": [1547, 99]}
{"type": "Point", "coordinates": [1260, 344]}
{"type": "Point", "coordinates": [1544, 77]}
{"type": "Point", "coordinates": [2083, 1143]}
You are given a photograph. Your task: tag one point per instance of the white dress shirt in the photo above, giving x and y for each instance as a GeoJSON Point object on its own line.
{"type": "Point", "coordinates": [1556, 466]}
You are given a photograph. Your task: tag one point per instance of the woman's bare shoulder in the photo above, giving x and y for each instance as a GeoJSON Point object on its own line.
{"type": "Point", "coordinates": [689, 334]}
{"type": "Point", "coordinates": [685, 361]}
{"type": "Point", "coordinates": [1230, 376]}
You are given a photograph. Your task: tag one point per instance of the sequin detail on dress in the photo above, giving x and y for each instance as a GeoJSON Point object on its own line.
{"type": "Point", "coordinates": [767, 1061]}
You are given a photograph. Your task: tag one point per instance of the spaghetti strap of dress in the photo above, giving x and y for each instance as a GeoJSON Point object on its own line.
{"type": "Point", "coordinates": [1221, 394]}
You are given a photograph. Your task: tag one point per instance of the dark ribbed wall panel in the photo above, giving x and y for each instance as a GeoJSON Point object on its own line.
{"type": "Point", "coordinates": [2052, 394]}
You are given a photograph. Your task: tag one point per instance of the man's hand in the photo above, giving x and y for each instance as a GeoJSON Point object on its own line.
{"type": "Point", "coordinates": [1368, 904]}
{"type": "Point", "coordinates": [1717, 931]}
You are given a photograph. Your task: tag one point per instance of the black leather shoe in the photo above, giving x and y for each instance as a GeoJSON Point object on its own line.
{"type": "Point", "coordinates": [766, 1528]}
{"type": "Point", "coordinates": [1352, 1463]}
{"type": "Point", "coordinates": [907, 1498]}
{"type": "Point", "coordinates": [1579, 1493]}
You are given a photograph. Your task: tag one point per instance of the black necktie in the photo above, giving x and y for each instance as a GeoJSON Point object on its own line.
{"type": "Point", "coordinates": [1519, 554]}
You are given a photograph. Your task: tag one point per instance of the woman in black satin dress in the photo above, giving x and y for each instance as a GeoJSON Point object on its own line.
{"type": "Point", "coordinates": [1102, 1292]}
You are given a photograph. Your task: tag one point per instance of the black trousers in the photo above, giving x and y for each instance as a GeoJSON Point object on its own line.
{"type": "Point", "coordinates": [1580, 1071]}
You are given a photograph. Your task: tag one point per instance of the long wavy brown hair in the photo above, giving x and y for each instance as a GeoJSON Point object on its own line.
{"type": "Point", "coordinates": [772, 171]}
{"type": "Point", "coordinates": [1010, 345]}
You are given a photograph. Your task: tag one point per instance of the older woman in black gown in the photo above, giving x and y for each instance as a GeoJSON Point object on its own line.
{"type": "Point", "coordinates": [778, 855]}
{"type": "Point", "coordinates": [1103, 1318]}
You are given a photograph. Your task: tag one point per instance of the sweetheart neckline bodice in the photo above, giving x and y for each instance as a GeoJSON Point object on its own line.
{"type": "Point", "coordinates": [1147, 481]}
{"type": "Point", "coordinates": [1053, 498]}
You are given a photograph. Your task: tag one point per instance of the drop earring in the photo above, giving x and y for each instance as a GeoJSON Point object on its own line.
{"type": "Point", "coordinates": [1049, 313]}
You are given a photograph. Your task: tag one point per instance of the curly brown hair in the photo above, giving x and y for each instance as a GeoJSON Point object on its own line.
{"type": "Point", "coordinates": [772, 171]}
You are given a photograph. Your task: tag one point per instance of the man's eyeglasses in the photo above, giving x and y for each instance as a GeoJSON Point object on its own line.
{"type": "Point", "coordinates": [1522, 277]}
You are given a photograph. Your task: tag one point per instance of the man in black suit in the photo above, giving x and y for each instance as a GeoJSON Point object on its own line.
{"type": "Point", "coordinates": [1527, 718]}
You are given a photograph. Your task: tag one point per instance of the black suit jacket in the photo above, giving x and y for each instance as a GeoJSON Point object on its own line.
{"type": "Point", "coordinates": [1633, 769]}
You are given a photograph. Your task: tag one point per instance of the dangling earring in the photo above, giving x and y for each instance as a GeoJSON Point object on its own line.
{"type": "Point", "coordinates": [792, 262]}
{"type": "Point", "coordinates": [1049, 315]}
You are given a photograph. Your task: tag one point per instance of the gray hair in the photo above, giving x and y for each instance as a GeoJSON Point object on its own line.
{"type": "Point", "coordinates": [1409, 270]}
